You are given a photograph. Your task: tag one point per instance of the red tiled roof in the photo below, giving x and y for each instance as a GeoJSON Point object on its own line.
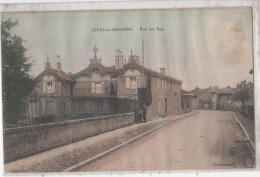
{"type": "Point", "coordinates": [59, 75]}
{"type": "Point", "coordinates": [62, 75]}
{"type": "Point", "coordinates": [114, 67]}
{"type": "Point", "coordinates": [134, 65]}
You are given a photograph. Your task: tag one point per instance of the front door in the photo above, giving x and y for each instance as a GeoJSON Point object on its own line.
{"type": "Point", "coordinates": [165, 106]}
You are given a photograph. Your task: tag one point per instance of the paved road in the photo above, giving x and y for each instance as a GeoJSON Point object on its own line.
{"type": "Point", "coordinates": [208, 140]}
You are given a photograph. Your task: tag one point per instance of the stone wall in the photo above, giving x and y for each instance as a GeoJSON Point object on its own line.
{"type": "Point", "coordinates": [25, 141]}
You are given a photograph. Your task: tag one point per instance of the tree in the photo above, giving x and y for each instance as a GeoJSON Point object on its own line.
{"type": "Point", "coordinates": [15, 71]}
{"type": "Point", "coordinates": [242, 95]}
{"type": "Point", "coordinates": [145, 94]}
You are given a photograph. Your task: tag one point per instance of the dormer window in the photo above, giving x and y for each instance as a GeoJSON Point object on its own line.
{"type": "Point", "coordinates": [131, 82]}
{"type": "Point", "coordinates": [48, 87]}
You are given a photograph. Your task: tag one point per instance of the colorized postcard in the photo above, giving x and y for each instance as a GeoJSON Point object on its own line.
{"type": "Point", "coordinates": [128, 90]}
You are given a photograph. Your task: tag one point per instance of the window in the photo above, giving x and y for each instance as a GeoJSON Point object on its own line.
{"type": "Point", "coordinates": [159, 105]}
{"type": "Point", "coordinates": [170, 106]}
{"type": "Point", "coordinates": [97, 87]}
{"type": "Point", "coordinates": [159, 83]}
{"type": "Point", "coordinates": [48, 87]}
{"type": "Point", "coordinates": [131, 82]}
{"type": "Point", "coordinates": [162, 84]}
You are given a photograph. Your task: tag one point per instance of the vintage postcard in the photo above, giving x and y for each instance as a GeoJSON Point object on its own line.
{"type": "Point", "coordinates": [128, 90]}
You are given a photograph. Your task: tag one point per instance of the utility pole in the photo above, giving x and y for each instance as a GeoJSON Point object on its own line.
{"type": "Point", "coordinates": [143, 52]}
{"type": "Point", "coordinates": [143, 80]}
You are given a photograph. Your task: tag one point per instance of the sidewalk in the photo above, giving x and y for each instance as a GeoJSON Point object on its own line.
{"type": "Point", "coordinates": [248, 124]}
{"type": "Point", "coordinates": [58, 159]}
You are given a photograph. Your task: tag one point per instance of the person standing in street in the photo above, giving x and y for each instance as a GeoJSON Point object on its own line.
{"type": "Point", "coordinates": [137, 115]}
{"type": "Point", "coordinates": [144, 112]}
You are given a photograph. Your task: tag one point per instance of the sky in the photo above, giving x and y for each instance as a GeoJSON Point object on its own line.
{"type": "Point", "coordinates": [201, 47]}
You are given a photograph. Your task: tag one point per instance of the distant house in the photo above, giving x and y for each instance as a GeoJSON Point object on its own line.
{"type": "Point", "coordinates": [189, 101]}
{"type": "Point", "coordinates": [224, 99]}
{"type": "Point", "coordinates": [204, 96]}
{"type": "Point", "coordinates": [53, 82]}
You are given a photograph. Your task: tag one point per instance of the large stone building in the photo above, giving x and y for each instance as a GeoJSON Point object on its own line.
{"type": "Point", "coordinates": [121, 80]}
{"type": "Point", "coordinates": [166, 91]}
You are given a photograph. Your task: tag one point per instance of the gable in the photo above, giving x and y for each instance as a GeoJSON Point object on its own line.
{"type": "Point", "coordinates": [48, 78]}
{"type": "Point", "coordinates": [132, 72]}
{"type": "Point", "coordinates": [95, 75]}
{"type": "Point", "coordinates": [83, 78]}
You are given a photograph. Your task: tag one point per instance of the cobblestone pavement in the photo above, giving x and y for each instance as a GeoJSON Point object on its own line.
{"type": "Point", "coordinates": [207, 140]}
{"type": "Point", "coordinates": [58, 159]}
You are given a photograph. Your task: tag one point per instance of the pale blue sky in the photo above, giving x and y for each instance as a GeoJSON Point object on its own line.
{"type": "Point", "coordinates": [201, 47]}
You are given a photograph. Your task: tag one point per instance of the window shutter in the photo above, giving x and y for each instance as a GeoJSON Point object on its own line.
{"type": "Point", "coordinates": [127, 80]}
{"type": "Point", "coordinates": [53, 86]}
{"type": "Point", "coordinates": [102, 85]}
{"type": "Point", "coordinates": [44, 87]}
{"type": "Point", "coordinates": [163, 84]}
{"type": "Point", "coordinates": [159, 104]}
{"type": "Point", "coordinates": [93, 85]}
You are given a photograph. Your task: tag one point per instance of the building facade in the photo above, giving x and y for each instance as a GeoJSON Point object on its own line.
{"type": "Point", "coordinates": [189, 101]}
{"type": "Point", "coordinates": [121, 80]}
{"type": "Point", "coordinates": [225, 99]}
{"type": "Point", "coordinates": [95, 80]}
{"type": "Point", "coordinates": [204, 96]}
{"type": "Point", "coordinates": [53, 82]}
{"type": "Point", "coordinates": [166, 91]}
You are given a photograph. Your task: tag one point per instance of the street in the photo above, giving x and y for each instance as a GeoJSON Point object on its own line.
{"type": "Point", "coordinates": [208, 140]}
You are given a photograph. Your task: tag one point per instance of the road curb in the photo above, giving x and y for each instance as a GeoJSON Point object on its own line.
{"type": "Point", "coordinates": [76, 166]}
{"type": "Point", "coordinates": [251, 143]}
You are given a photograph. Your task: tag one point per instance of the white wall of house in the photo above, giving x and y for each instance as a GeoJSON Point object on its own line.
{"type": "Point", "coordinates": [95, 83]}
{"type": "Point", "coordinates": [132, 72]}
{"type": "Point", "coordinates": [83, 78]}
{"type": "Point", "coordinates": [106, 77]}
{"type": "Point", "coordinates": [48, 82]}
{"type": "Point", "coordinates": [47, 78]}
{"type": "Point", "coordinates": [95, 76]}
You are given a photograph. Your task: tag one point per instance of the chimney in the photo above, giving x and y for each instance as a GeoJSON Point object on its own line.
{"type": "Point", "coordinates": [119, 59]}
{"type": "Point", "coordinates": [162, 71]}
{"type": "Point", "coordinates": [59, 66]}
